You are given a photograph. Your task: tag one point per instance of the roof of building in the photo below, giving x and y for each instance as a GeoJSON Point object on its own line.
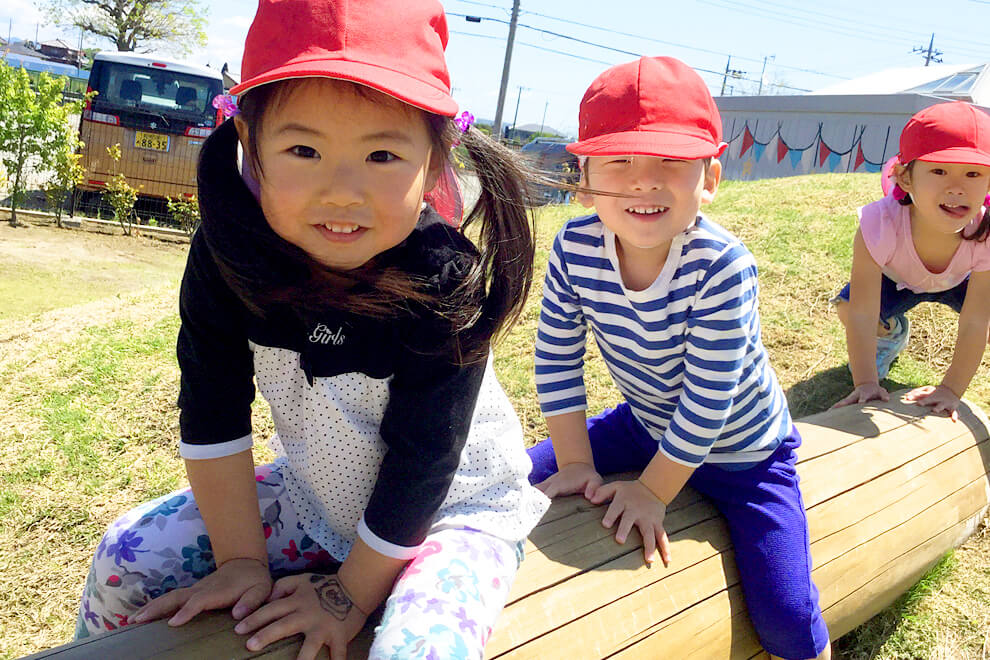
{"type": "Point", "coordinates": [964, 82]}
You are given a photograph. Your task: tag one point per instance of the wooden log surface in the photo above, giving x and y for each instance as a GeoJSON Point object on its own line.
{"type": "Point", "coordinates": [888, 491]}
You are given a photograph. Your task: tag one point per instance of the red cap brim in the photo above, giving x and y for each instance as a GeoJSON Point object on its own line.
{"type": "Point", "coordinates": [648, 143]}
{"type": "Point", "coordinates": [958, 155]}
{"type": "Point", "coordinates": [393, 83]}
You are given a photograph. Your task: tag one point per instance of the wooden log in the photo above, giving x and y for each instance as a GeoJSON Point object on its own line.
{"type": "Point", "coordinates": [888, 491]}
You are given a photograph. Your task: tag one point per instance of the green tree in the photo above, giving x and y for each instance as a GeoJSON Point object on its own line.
{"type": "Point", "coordinates": [120, 195]}
{"type": "Point", "coordinates": [146, 25]}
{"type": "Point", "coordinates": [185, 210]}
{"type": "Point", "coordinates": [33, 127]}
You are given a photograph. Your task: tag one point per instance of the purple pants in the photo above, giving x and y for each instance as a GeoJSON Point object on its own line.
{"type": "Point", "coordinates": [766, 519]}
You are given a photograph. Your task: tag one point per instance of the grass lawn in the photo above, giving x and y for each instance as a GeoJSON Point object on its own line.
{"type": "Point", "coordinates": [88, 382]}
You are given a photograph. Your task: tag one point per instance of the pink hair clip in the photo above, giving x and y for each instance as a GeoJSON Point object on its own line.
{"type": "Point", "coordinates": [464, 121]}
{"type": "Point", "coordinates": [226, 104]}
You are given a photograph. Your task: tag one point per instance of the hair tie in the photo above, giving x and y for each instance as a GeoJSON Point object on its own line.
{"type": "Point", "coordinates": [226, 104]}
{"type": "Point", "coordinates": [897, 192]}
{"type": "Point", "coordinates": [464, 121]}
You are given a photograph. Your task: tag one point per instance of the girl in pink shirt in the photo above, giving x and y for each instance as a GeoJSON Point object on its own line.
{"type": "Point", "coordinates": [925, 241]}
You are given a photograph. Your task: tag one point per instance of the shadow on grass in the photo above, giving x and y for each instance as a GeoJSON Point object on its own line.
{"type": "Point", "coordinates": [818, 393]}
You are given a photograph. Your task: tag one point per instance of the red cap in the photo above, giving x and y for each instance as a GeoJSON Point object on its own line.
{"type": "Point", "coordinates": [394, 47]}
{"type": "Point", "coordinates": [657, 106]}
{"type": "Point", "coordinates": [953, 132]}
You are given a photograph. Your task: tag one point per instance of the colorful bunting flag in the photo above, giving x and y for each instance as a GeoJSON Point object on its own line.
{"type": "Point", "coordinates": [833, 160]}
{"type": "Point", "coordinates": [758, 150]}
{"type": "Point", "coordinates": [796, 155]}
{"type": "Point", "coordinates": [747, 142]}
{"type": "Point", "coordinates": [860, 158]}
{"type": "Point", "coordinates": [781, 149]}
{"type": "Point", "coordinates": [823, 152]}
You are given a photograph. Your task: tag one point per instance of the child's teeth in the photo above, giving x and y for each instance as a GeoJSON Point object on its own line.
{"type": "Point", "coordinates": [652, 209]}
{"type": "Point", "coordinates": [342, 229]}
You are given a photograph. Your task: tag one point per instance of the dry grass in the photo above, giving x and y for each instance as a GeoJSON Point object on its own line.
{"type": "Point", "coordinates": [88, 425]}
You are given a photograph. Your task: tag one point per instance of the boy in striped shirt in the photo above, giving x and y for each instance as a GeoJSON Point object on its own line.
{"type": "Point", "coordinates": [672, 300]}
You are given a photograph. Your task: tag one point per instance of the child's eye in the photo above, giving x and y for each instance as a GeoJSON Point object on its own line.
{"type": "Point", "coordinates": [620, 161]}
{"type": "Point", "coordinates": [973, 174]}
{"type": "Point", "coordinates": [674, 160]}
{"type": "Point", "coordinates": [304, 151]}
{"type": "Point", "coordinates": [381, 156]}
{"type": "Point", "coordinates": [937, 170]}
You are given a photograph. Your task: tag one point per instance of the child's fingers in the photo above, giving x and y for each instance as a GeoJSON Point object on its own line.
{"type": "Point", "coordinates": [159, 607]}
{"type": "Point", "coordinates": [649, 546]}
{"type": "Point", "coordinates": [591, 488]}
{"type": "Point", "coordinates": [311, 648]}
{"type": "Point", "coordinates": [264, 616]}
{"type": "Point", "coordinates": [626, 522]}
{"type": "Point", "coordinates": [613, 513]}
{"type": "Point", "coordinates": [281, 628]}
{"type": "Point", "coordinates": [249, 601]}
{"type": "Point", "coordinates": [602, 493]}
{"type": "Point", "coordinates": [664, 544]}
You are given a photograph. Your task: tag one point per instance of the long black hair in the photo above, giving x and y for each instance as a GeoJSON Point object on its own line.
{"type": "Point", "coordinates": [491, 295]}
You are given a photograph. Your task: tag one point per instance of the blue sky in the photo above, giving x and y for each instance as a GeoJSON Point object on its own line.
{"type": "Point", "coordinates": [806, 45]}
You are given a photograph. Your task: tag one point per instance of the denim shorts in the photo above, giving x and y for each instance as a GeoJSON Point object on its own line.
{"type": "Point", "coordinates": [894, 301]}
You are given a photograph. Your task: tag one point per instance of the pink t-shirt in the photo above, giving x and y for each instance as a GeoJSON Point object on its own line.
{"type": "Point", "coordinates": [886, 227]}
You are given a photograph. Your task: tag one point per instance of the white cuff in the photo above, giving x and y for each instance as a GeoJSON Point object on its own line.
{"type": "Point", "coordinates": [380, 545]}
{"type": "Point", "coordinates": [218, 450]}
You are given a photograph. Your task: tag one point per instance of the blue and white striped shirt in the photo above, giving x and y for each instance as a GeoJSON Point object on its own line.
{"type": "Point", "coordinates": [685, 352]}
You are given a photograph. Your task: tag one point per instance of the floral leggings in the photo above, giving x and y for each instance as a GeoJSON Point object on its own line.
{"type": "Point", "coordinates": [443, 605]}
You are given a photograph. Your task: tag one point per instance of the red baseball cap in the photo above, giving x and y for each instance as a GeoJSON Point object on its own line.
{"type": "Point", "coordinates": [657, 106]}
{"type": "Point", "coordinates": [393, 47]}
{"type": "Point", "coordinates": [955, 132]}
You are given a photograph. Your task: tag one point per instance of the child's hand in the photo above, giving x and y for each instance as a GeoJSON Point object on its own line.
{"type": "Point", "coordinates": [315, 605]}
{"type": "Point", "coordinates": [570, 479]}
{"type": "Point", "coordinates": [862, 394]}
{"type": "Point", "coordinates": [940, 399]}
{"type": "Point", "coordinates": [635, 504]}
{"type": "Point", "coordinates": [241, 583]}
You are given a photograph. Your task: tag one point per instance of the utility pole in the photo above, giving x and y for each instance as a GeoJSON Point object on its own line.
{"type": "Point", "coordinates": [735, 73]}
{"type": "Point", "coordinates": [497, 124]}
{"type": "Point", "coordinates": [543, 121]}
{"type": "Point", "coordinates": [515, 118]}
{"type": "Point", "coordinates": [930, 53]}
{"type": "Point", "coordinates": [764, 72]}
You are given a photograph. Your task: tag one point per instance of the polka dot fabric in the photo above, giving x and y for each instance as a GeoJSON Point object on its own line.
{"type": "Point", "coordinates": [330, 450]}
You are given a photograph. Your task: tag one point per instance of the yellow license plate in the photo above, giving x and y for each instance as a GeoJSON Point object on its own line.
{"type": "Point", "coordinates": [154, 141]}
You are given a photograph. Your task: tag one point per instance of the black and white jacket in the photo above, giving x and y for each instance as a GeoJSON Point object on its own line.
{"type": "Point", "coordinates": [377, 435]}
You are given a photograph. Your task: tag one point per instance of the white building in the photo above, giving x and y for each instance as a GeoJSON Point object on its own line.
{"type": "Point", "coordinates": [853, 126]}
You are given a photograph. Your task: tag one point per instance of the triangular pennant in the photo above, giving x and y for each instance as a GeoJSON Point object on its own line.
{"type": "Point", "coordinates": [860, 158]}
{"type": "Point", "coordinates": [823, 152]}
{"type": "Point", "coordinates": [758, 150]}
{"type": "Point", "coordinates": [833, 160]}
{"type": "Point", "coordinates": [781, 149]}
{"type": "Point", "coordinates": [796, 155]}
{"type": "Point", "coordinates": [747, 142]}
{"type": "Point", "coordinates": [873, 168]}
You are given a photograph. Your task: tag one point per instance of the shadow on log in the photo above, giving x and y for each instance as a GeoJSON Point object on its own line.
{"type": "Point", "coordinates": [888, 492]}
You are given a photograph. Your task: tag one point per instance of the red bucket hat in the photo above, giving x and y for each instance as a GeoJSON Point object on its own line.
{"type": "Point", "coordinates": [657, 106]}
{"type": "Point", "coordinates": [955, 132]}
{"type": "Point", "coordinates": [393, 47]}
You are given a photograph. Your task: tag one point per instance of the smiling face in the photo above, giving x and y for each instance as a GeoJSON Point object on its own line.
{"type": "Point", "coordinates": [343, 170]}
{"type": "Point", "coordinates": [661, 199]}
{"type": "Point", "coordinates": [945, 196]}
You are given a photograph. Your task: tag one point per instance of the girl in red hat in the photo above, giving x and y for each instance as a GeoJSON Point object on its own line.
{"type": "Point", "coordinates": [323, 277]}
{"type": "Point", "coordinates": [925, 241]}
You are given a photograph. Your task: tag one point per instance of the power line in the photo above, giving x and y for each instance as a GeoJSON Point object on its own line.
{"type": "Point", "coordinates": [672, 43]}
{"type": "Point", "coordinates": [529, 45]}
{"type": "Point", "coordinates": [850, 30]}
{"type": "Point", "coordinates": [617, 50]}
{"type": "Point", "coordinates": [870, 28]}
